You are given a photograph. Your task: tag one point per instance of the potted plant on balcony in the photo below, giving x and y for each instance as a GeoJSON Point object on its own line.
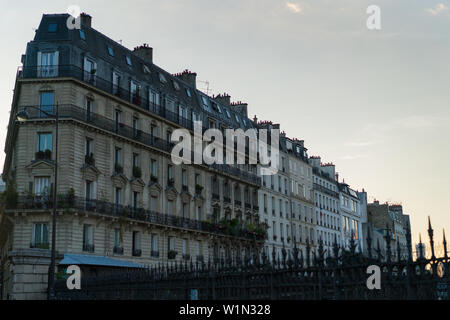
{"type": "Point", "coordinates": [10, 195]}
{"type": "Point", "coordinates": [172, 254]}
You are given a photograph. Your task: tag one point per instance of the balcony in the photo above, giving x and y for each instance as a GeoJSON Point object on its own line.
{"type": "Point", "coordinates": [107, 86]}
{"type": "Point", "coordinates": [89, 159]}
{"type": "Point", "coordinates": [226, 199]}
{"type": "Point", "coordinates": [172, 254]}
{"type": "Point", "coordinates": [215, 196]}
{"type": "Point", "coordinates": [40, 245]}
{"type": "Point", "coordinates": [171, 182]}
{"type": "Point", "coordinates": [154, 254]}
{"type": "Point", "coordinates": [141, 214]}
{"type": "Point", "coordinates": [200, 258]}
{"type": "Point", "coordinates": [153, 179]}
{"type": "Point", "coordinates": [43, 155]}
{"type": "Point", "coordinates": [184, 188]}
{"type": "Point", "coordinates": [137, 252]}
{"type": "Point", "coordinates": [237, 203]}
{"type": "Point", "coordinates": [118, 169]}
{"type": "Point", "coordinates": [118, 250]}
{"type": "Point", "coordinates": [137, 172]}
{"type": "Point", "coordinates": [198, 189]}
{"type": "Point", "coordinates": [88, 247]}
{"type": "Point", "coordinates": [186, 256]}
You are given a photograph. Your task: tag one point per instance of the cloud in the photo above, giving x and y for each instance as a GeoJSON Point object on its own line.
{"type": "Point", "coordinates": [293, 7]}
{"type": "Point", "coordinates": [437, 9]}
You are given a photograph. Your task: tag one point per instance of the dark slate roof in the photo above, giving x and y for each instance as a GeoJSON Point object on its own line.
{"type": "Point", "coordinates": [97, 43]}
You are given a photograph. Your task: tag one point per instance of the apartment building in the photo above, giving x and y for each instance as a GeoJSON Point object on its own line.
{"type": "Point", "coordinates": [304, 222]}
{"type": "Point", "coordinates": [351, 217]}
{"type": "Point", "coordinates": [326, 195]}
{"type": "Point", "coordinates": [120, 197]}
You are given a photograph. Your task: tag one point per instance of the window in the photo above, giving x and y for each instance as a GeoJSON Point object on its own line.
{"type": "Point", "coordinates": [135, 89]}
{"type": "Point", "coordinates": [135, 199]}
{"type": "Point", "coordinates": [110, 51]}
{"type": "Point", "coordinates": [184, 248]}
{"type": "Point", "coordinates": [169, 207]}
{"type": "Point", "coordinates": [184, 177]}
{"type": "Point", "coordinates": [118, 156]}
{"type": "Point", "coordinates": [89, 108]}
{"type": "Point", "coordinates": [146, 69]}
{"type": "Point", "coordinates": [116, 83]}
{"type": "Point", "coordinates": [185, 210]}
{"type": "Point", "coordinates": [82, 35]}
{"type": "Point", "coordinates": [228, 113]}
{"type": "Point", "coordinates": [44, 142]}
{"type": "Point", "coordinates": [136, 244]}
{"type": "Point", "coordinates": [153, 168]}
{"type": "Point", "coordinates": [118, 116]}
{"type": "Point", "coordinates": [46, 103]}
{"type": "Point", "coordinates": [170, 171]}
{"type": "Point", "coordinates": [47, 64]}
{"type": "Point", "coordinates": [89, 190]}
{"type": "Point", "coordinates": [198, 213]}
{"type": "Point", "coordinates": [117, 241]}
{"type": "Point", "coordinates": [176, 86]}
{"type": "Point", "coordinates": [153, 203]}
{"type": "Point", "coordinates": [88, 238]}
{"type": "Point", "coordinates": [42, 186]}
{"type": "Point", "coordinates": [171, 243]}
{"type": "Point", "coordinates": [89, 148]}
{"type": "Point", "coordinates": [237, 118]}
{"type": "Point", "coordinates": [90, 68]}
{"type": "Point", "coordinates": [118, 196]}
{"type": "Point", "coordinates": [188, 92]}
{"type": "Point", "coordinates": [52, 27]}
{"type": "Point", "coordinates": [40, 236]}
{"type": "Point", "coordinates": [128, 59]}
{"type": "Point", "coordinates": [155, 249]}
{"type": "Point", "coordinates": [162, 78]}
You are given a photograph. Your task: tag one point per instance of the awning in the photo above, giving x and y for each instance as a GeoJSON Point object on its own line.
{"type": "Point", "coordinates": [82, 259]}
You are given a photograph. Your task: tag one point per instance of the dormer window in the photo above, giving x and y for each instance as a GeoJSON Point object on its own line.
{"type": "Point", "coordinates": [146, 69]}
{"type": "Point", "coordinates": [176, 86]}
{"type": "Point", "coordinates": [188, 92]}
{"type": "Point", "coordinates": [162, 78]}
{"type": "Point", "coordinates": [228, 113]}
{"type": "Point", "coordinates": [82, 35]}
{"type": "Point", "coordinates": [128, 60]}
{"type": "Point", "coordinates": [237, 118]}
{"type": "Point", "coordinates": [218, 108]}
{"type": "Point", "coordinates": [111, 52]}
{"type": "Point", "coordinates": [52, 27]}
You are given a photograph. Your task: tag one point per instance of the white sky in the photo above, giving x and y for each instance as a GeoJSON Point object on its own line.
{"type": "Point", "coordinates": [373, 102]}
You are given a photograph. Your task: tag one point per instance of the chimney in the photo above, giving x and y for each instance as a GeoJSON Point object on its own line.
{"type": "Point", "coordinates": [240, 107]}
{"type": "Point", "coordinates": [188, 77]}
{"type": "Point", "coordinates": [223, 99]}
{"type": "Point", "coordinates": [145, 52]}
{"type": "Point", "coordinates": [86, 19]}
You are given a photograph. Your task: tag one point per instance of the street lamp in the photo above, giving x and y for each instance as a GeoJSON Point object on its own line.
{"type": "Point", "coordinates": [23, 116]}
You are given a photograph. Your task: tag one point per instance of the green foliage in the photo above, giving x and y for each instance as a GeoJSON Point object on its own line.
{"type": "Point", "coordinates": [10, 196]}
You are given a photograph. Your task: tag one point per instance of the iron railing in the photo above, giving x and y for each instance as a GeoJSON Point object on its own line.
{"type": "Point", "coordinates": [299, 274]}
{"type": "Point", "coordinates": [117, 210]}
{"type": "Point", "coordinates": [80, 114]}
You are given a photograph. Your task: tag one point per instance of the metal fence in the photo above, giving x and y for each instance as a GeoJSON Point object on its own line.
{"type": "Point", "coordinates": [299, 275]}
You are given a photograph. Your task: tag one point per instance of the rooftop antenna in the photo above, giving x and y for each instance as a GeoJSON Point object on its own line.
{"type": "Point", "coordinates": [207, 85]}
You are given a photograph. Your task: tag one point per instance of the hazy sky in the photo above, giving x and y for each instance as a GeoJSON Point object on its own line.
{"type": "Point", "coordinates": [376, 103]}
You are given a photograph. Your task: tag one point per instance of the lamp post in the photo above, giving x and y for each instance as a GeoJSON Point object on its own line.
{"type": "Point", "coordinates": [23, 116]}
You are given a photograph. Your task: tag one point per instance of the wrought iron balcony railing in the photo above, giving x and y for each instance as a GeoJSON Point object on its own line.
{"type": "Point", "coordinates": [118, 250]}
{"type": "Point", "coordinates": [117, 210]}
{"type": "Point", "coordinates": [102, 122]}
